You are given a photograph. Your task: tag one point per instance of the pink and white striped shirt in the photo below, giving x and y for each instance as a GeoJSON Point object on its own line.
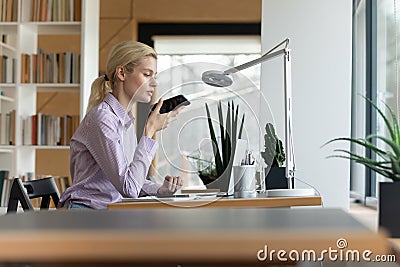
{"type": "Point", "coordinates": [103, 169]}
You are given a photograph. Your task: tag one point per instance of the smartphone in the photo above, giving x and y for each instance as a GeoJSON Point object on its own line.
{"type": "Point", "coordinates": [172, 103]}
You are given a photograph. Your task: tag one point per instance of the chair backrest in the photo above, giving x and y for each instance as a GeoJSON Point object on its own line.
{"type": "Point", "coordinates": [22, 192]}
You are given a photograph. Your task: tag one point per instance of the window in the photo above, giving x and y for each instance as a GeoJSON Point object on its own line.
{"type": "Point", "coordinates": [376, 53]}
{"type": "Point", "coordinates": [181, 61]}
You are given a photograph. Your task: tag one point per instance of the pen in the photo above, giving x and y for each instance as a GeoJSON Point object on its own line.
{"type": "Point", "coordinates": [248, 159]}
{"type": "Point", "coordinates": [176, 195]}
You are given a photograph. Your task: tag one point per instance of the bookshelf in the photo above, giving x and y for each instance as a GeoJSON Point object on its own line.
{"type": "Point", "coordinates": [19, 35]}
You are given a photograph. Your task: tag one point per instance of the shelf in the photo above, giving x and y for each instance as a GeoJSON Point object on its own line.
{"type": "Point", "coordinates": [8, 47]}
{"type": "Point", "coordinates": [55, 87]}
{"type": "Point", "coordinates": [8, 27]}
{"type": "Point", "coordinates": [64, 28]}
{"type": "Point", "coordinates": [44, 147]}
{"type": "Point", "coordinates": [7, 85]}
{"type": "Point", "coordinates": [6, 149]}
{"type": "Point", "coordinates": [54, 90]}
{"type": "Point", "coordinates": [52, 85]}
{"type": "Point", "coordinates": [6, 98]}
{"type": "Point", "coordinates": [26, 37]}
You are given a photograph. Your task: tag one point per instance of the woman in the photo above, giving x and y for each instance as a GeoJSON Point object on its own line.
{"type": "Point", "coordinates": [104, 168]}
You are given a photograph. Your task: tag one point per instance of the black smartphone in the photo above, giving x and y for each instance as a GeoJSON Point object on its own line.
{"type": "Point", "coordinates": [172, 103]}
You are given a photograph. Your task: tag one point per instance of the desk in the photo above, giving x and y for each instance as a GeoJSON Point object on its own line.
{"type": "Point", "coordinates": [259, 202]}
{"type": "Point", "coordinates": [172, 237]}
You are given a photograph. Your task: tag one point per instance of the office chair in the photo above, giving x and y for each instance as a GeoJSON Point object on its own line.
{"type": "Point", "coordinates": [23, 191]}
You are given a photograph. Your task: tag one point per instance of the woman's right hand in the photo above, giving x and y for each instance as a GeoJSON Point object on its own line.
{"type": "Point", "coordinates": [156, 121]}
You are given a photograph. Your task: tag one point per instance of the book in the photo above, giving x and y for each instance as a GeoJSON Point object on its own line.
{"type": "Point", "coordinates": [9, 11]}
{"type": "Point", "coordinates": [77, 10]}
{"type": "Point", "coordinates": [34, 129]}
{"type": "Point", "coordinates": [5, 194]}
{"type": "Point", "coordinates": [12, 126]}
{"type": "Point", "coordinates": [3, 175]}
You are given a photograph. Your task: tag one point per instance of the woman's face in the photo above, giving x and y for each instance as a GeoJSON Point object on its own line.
{"type": "Point", "coordinates": [139, 85]}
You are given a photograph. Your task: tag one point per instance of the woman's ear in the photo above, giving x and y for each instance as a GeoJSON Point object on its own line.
{"type": "Point", "coordinates": [120, 73]}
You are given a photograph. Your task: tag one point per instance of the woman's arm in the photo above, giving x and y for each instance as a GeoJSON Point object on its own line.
{"type": "Point", "coordinates": [105, 144]}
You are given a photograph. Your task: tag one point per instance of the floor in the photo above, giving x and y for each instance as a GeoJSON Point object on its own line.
{"type": "Point", "coordinates": [365, 214]}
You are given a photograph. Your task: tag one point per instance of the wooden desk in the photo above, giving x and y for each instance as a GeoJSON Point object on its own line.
{"type": "Point", "coordinates": [173, 237]}
{"type": "Point", "coordinates": [259, 202]}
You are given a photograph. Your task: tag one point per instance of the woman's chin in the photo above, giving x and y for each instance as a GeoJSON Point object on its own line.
{"type": "Point", "coordinates": [145, 100]}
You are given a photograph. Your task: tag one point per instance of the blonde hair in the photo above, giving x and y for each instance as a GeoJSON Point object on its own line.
{"type": "Point", "coordinates": [128, 55]}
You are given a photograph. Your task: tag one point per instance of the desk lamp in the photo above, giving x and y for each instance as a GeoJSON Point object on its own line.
{"type": "Point", "coordinates": [223, 79]}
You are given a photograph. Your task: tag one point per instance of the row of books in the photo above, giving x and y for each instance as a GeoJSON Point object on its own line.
{"type": "Point", "coordinates": [50, 67]}
{"type": "Point", "coordinates": [8, 10]}
{"type": "Point", "coordinates": [7, 128]}
{"type": "Point", "coordinates": [7, 69]}
{"type": "Point", "coordinates": [56, 10]}
{"type": "Point", "coordinates": [42, 129]}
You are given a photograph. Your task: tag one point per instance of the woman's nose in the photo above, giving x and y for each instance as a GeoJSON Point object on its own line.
{"type": "Point", "coordinates": [153, 82]}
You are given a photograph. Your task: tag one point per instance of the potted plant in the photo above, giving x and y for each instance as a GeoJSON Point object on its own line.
{"type": "Point", "coordinates": [274, 156]}
{"type": "Point", "coordinates": [387, 163]}
{"type": "Point", "coordinates": [223, 146]}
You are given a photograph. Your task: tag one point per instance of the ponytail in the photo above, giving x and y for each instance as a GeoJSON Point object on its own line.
{"type": "Point", "coordinates": [100, 87]}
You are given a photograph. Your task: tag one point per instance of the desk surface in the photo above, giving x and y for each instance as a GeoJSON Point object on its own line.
{"type": "Point", "coordinates": [176, 236]}
{"type": "Point", "coordinates": [258, 202]}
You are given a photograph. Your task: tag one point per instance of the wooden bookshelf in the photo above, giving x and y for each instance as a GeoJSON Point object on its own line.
{"type": "Point", "coordinates": [20, 36]}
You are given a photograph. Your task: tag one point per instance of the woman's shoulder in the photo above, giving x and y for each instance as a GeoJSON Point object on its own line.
{"type": "Point", "coordinates": [102, 113]}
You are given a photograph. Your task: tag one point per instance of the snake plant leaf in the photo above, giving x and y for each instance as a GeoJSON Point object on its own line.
{"type": "Point", "coordinates": [234, 126]}
{"type": "Point", "coordinates": [228, 129]}
{"type": "Point", "coordinates": [241, 127]}
{"type": "Point", "coordinates": [234, 129]}
{"type": "Point", "coordinates": [225, 151]}
{"type": "Point", "coordinates": [228, 137]}
{"type": "Point", "coordinates": [232, 113]}
{"type": "Point", "coordinates": [218, 161]}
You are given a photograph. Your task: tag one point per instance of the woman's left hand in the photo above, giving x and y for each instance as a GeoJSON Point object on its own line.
{"type": "Point", "coordinates": [170, 185]}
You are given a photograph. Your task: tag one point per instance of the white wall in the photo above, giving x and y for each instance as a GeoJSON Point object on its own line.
{"type": "Point", "coordinates": [320, 39]}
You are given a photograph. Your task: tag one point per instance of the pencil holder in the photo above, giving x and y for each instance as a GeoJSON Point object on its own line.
{"type": "Point", "coordinates": [245, 182]}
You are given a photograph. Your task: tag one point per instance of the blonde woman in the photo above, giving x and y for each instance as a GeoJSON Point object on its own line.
{"type": "Point", "coordinates": [104, 168]}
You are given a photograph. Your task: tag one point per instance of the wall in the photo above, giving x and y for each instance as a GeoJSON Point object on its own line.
{"type": "Point", "coordinates": [118, 18]}
{"type": "Point", "coordinates": [320, 33]}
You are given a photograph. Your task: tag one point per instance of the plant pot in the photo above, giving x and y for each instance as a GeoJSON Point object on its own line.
{"type": "Point", "coordinates": [389, 209]}
{"type": "Point", "coordinates": [206, 179]}
{"type": "Point", "coordinates": [275, 178]}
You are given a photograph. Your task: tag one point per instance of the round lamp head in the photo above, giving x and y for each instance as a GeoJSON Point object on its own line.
{"type": "Point", "coordinates": [216, 78]}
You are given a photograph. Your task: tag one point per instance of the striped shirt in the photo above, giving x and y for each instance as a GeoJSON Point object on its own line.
{"type": "Point", "coordinates": [107, 162]}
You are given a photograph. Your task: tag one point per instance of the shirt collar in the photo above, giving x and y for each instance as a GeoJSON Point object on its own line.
{"type": "Point", "coordinates": [125, 118]}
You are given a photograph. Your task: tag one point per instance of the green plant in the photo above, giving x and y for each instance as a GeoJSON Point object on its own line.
{"type": "Point", "coordinates": [274, 154]}
{"type": "Point", "coordinates": [387, 161]}
{"type": "Point", "coordinates": [229, 134]}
